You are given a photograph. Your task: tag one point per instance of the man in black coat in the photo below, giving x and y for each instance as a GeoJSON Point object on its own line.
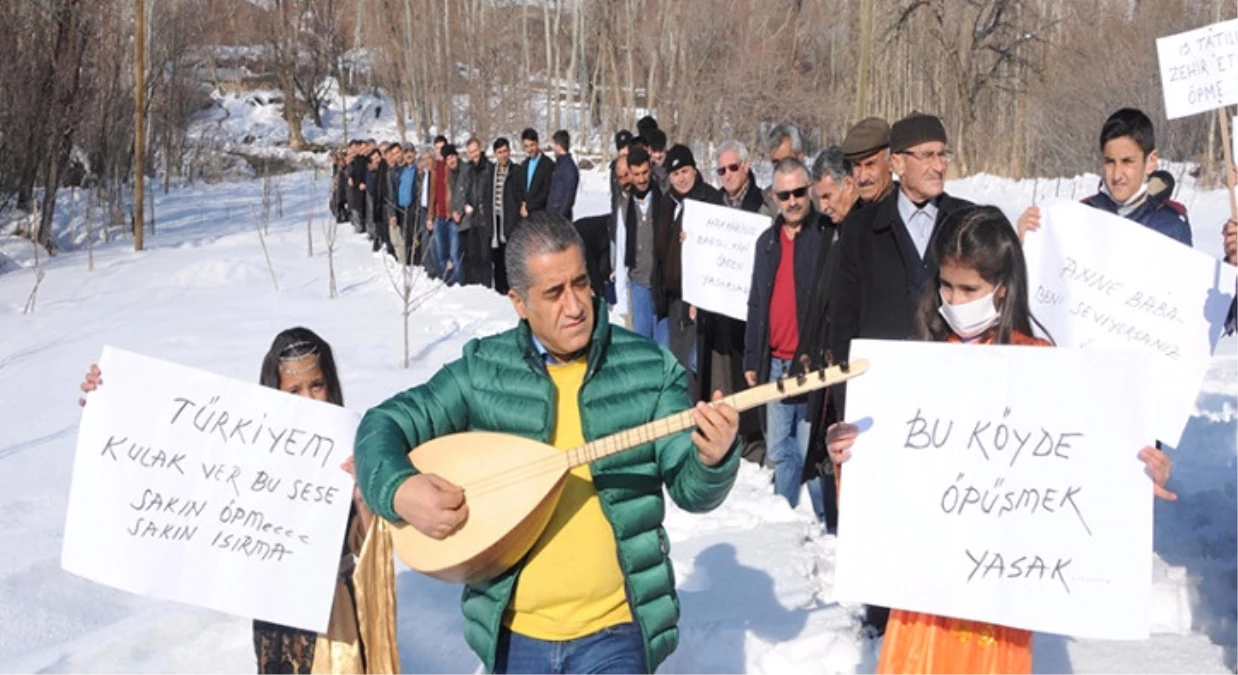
{"type": "Point", "coordinates": [536, 172]}
{"type": "Point", "coordinates": [836, 196]}
{"type": "Point", "coordinates": [685, 183]}
{"type": "Point", "coordinates": [357, 168]}
{"type": "Point", "coordinates": [475, 240]}
{"type": "Point", "coordinates": [720, 338]}
{"type": "Point", "coordinates": [785, 263]}
{"type": "Point", "coordinates": [499, 209]}
{"type": "Point", "coordinates": [883, 261]}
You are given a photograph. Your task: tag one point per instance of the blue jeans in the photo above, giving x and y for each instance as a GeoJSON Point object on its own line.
{"type": "Point", "coordinates": [645, 316]}
{"type": "Point", "coordinates": [617, 649]}
{"type": "Point", "coordinates": [786, 442]}
{"type": "Point", "coordinates": [447, 243]}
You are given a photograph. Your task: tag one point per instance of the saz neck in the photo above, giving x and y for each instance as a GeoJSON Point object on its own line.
{"type": "Point", "coordinates": [741, 401]}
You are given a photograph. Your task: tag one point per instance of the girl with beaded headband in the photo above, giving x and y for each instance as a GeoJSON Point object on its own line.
{"type": "Point", "coordinates": [301, 363]}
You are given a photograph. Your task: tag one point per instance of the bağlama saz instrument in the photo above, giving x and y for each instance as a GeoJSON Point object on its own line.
{"type": "Point", "coordinates": [512, 484]}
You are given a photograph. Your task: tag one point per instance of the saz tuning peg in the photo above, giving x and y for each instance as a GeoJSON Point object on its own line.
{"type": "Point", "coordinates": [805, 366]}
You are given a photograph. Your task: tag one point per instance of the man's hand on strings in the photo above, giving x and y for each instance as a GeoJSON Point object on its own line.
{"type": "Point", "coordinates": [716, 427]}
{"type": "Point", "coordinates": [431, 504]}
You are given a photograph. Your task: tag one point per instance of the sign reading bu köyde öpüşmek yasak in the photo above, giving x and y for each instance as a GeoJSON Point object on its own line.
{"type": "Point", "coordinates": [718, 252]}
{"type": "Point", "coordinates": [1097, 280]}
{"type": "Point", "coordinates": [193, 487]}
{"type": "Point", "coordinates": [999, 484]}
{"type": "Point", "coordinates": [1199, 69]}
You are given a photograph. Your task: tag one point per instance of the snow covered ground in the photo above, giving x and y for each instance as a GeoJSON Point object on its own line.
{"type": "Point", "coordinates": [756, 579]}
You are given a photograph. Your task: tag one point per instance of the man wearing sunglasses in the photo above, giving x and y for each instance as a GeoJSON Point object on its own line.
{"type": "Point", "coordinates": [735, 177]}
{"type": "Point", "coordinates": [882, 258]}
{"type": "Point", "coordinates": [784, 266]}
{"type": "Point", "coordinates": [783, 141]}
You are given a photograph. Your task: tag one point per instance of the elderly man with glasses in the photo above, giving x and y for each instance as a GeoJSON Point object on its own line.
{"type": "Point", "coordinates": [883, 259]}
{"type": "Point", "coordinates": [735, 177]}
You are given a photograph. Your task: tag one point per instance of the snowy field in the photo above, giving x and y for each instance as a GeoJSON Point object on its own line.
{"type": "Point", "coordinates": [755, 578]}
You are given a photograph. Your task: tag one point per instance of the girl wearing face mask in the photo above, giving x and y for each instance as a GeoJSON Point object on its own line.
{"type": "Point", "coordinates": [360, 637]}
{"type": "Point", "coordinates": [978, 296]}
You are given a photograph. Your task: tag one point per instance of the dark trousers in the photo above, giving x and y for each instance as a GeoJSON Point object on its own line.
{"type": "Point", "coordinates": [681, 332]}
{"type": "Point", "coordinates": [498, 257]}
{"type": "Point", "coordinates": [476, 255]}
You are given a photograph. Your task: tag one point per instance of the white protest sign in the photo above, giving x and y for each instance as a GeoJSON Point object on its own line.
{"type": "Point", "coordinates": [998, 484]}
{"type": "Point", "coordinates": [219, 493]}
{"type": "Point", "coordinates": [717, 256]}
{"type": "Point", "coordinates": [1199, 69]}
{"type": "Point", "coordinates": [1097, 280]}
{"type": "Point", "coordinates": [619, 246]}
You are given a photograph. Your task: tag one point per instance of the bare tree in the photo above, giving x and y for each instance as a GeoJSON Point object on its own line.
{"type": "Point", "coordinates": [412, 286]}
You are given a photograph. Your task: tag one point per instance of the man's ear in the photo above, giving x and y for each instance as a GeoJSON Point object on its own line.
{"type": "Point", "coordinates": [1151, 164]}
{"type": "Point", "coordinates": [898, 162]}
{"type": "Point", "coordinates": [518, 303]}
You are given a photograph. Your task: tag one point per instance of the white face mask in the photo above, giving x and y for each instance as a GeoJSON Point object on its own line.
{"type": "Point", "coordinates": [970, 319]}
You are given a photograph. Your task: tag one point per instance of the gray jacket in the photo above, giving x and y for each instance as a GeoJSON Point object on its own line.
{"type": "Point", "coordinates": [460, 183]}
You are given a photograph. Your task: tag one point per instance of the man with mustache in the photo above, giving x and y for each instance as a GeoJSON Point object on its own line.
{"type": "Point", "coordinates": [867, 148]}
{"type": "Point", "coordinates": [596, 593]}
{"type": "Point", "coordinates": [784, 264]}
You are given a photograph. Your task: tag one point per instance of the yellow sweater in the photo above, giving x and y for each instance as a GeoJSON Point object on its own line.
{"type": "Point", "coordinates": [572, 585]}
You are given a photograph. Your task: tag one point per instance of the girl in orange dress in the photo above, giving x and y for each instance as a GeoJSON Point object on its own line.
{"type": "Point", "coordinates": [978, 296]}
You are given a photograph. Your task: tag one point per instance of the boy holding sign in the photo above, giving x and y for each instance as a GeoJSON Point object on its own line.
{"type": "Point", "coordinates": [978, 296]}
{"type": "Point", "coordinates": [1132, 186]}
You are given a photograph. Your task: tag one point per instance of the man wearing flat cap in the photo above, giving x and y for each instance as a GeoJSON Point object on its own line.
{"type": "Point", "coordinates": [685, 182]}
{"type": "Point", "coordinates": [867, 147]}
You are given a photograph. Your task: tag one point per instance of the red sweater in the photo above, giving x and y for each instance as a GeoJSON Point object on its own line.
{"type": "Point", "coordinates": [784, 331]}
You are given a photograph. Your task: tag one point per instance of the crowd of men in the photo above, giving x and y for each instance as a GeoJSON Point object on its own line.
{"type": "Point", "coordinates": [845, 256]}
{"type": "Point", "coordinates": [451, 216]}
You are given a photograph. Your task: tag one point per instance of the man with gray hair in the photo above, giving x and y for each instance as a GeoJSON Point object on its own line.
{"type": "Point", "coordinates": [735, 177]}
{"type": "Point", "coordinates": [835, 195]}
{"type": "Point", "coordinates": [782, 274]}
{"type": "Point", "coordinates": [783, 141]}
{"type": "Point", "coordinates": [833, 186]}
{"type": "Point", "coordinates": [596, 592]}
{"type": "Point", "coordinates": [720, 338]}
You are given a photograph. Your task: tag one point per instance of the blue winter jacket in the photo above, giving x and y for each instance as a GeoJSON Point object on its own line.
{"type": "Point", "coordinates": [406, 186]}
{"type": "Point", "coordinates": [1157, 211]}
{"type": "Point", "coordinates": [563, 186]}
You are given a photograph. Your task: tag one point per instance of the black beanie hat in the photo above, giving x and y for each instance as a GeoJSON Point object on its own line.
{"type": "Point", "coordinates": [915, 129]}
{"type": "Point", "coordinates": [678, 157]}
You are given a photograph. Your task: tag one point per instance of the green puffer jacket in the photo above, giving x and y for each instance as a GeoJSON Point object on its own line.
{"type": "Point", "coordinates": [500, 384]}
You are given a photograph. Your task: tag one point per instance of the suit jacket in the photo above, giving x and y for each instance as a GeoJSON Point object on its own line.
{"type": "Point", "coordinates": [880, 276]}
{"type": "Point", "coordinates": [535, 194]}
{"type": "Point", "coordinates": [511, 200]}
